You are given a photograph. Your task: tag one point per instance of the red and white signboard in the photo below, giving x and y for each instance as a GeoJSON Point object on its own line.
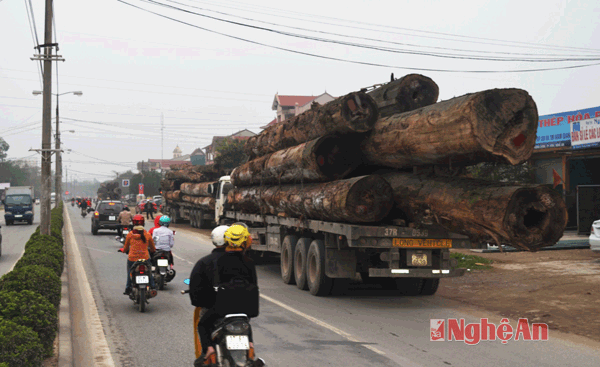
{"type": "Point", "coordinates": [66, 193]}
{"type": "Point", "coordinates": [585, 133]}
{"type": "Point", "coordinates": [141, 187]}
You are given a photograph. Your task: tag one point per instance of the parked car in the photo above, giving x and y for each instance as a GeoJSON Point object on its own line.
{"type": "Point", "coordinates": [106, 214]}
{"type": "Point", "coordinates": [595, 236]}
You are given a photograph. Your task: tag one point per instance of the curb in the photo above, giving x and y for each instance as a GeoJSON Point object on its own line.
{"type": "Point", "coordinates": [65, 341]}
{"type": "Point", "coordinates": [88, 345]}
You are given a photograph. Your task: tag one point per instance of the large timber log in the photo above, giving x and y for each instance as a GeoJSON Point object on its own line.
{"type": "Point", "coordinates": [528, 217]}
{"type": "Point", "coordinates": [189, 173]}
{"type": "Point", "coordinates": [493, 125]}
{"type": "Point", "coordinates": [408, 93]}
{"type": "Point", "coordinates": [176, 195]}
{"type": "Point", "coordinates": [355, 200]}
{"type": "Point", "coordinates": [324, 159]}
{"type": "Point", "coordinates": [199, 189]}
{"type": "Point", "coordinates": [352, 113]}
{"type": "Point", "coordinates": [205, 203]}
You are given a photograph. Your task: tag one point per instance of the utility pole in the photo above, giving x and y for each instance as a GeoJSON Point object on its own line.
{"type": "Point", "coordinates": [47, 123]}
{"type": "Point", "coordinates": [58, 181]}
{"type": "Point", "coordinates": [162, 147]}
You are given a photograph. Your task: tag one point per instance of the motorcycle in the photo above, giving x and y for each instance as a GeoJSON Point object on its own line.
{"type": "Point", "coordinates": [161, 269]}
{"type": "Point", "coordinates": [123, 236]}
{"type": "Point", "coordinates": [231, 339]}
{"type": "Point", "coordinates": [140, 284]}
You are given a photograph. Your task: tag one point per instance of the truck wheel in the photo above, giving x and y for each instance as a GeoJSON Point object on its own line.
{"type": "Point", "coordinates": [30, 221]}
{"type": "Point", "coordinates": [300, 262]}
{"type": "Point", "coordinates": [287, 259]}
{"type": "Point", "coordinates": [201, 220]}
{"type": "Point", "coordinates": [94, 230]}
{"type": "Point", "coordinates": [430, 286]}
{"type": "Point", "coordinates": [319, 284]}
{"type": "Point", "coordinates": [193, 218]}
{"type": "Point", "coordinates": [409, 286]}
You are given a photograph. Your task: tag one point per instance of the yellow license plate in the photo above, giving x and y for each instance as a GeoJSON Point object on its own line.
{"type": "Point", "coordinates": [419, 259]}
{"type": "Point", "coordinates": [422, 242]}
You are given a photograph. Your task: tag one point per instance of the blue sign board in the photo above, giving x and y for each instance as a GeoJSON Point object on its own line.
{"type": "Point", "coordinates": [555, 130]}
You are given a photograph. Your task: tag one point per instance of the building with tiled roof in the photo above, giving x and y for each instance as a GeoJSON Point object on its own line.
{"type": "Point", "coordinates": [290, 106]}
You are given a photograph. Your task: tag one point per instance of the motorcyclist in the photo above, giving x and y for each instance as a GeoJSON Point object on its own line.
{"type": "Point", "coordinates": [83, 206]}
{"type": "Point", "coordinates": [228, 260]}
{"type": "Point", "coordinates": [164, 238]}
{"type": "Point", "coordinates": [138, 245]}
{"type": "Point", "coordinates": [156, 224]}
{"type": "Point", "coordinates": [124, 219]}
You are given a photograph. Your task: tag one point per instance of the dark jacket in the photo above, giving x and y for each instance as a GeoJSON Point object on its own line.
{"type": "Point", "coordinates": [148, 206]}
{"type": "Point", "coordinates": [229, 265]}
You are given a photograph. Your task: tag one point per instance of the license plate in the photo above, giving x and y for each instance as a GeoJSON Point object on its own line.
{"type": "Point", "coordinates": [125, 233]}
{"type": "Point", "coordinates": [112, 217]}
{"type": "Point", "coordinates": [237, 342]}
{"type": "Point", "coordinates": [422, 242]}
{"type": "Point", "coordinates": [162, 262]}
{"type": "Point", "coordinates": [419, 259]}
{"type": "Point", "coordinates": [142, 279]}
{"type": "Point", "coordinates": [18, 216]}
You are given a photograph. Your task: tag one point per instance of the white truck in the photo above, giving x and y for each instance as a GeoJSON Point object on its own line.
{"type": "Point", "coordinates": [313, 253]}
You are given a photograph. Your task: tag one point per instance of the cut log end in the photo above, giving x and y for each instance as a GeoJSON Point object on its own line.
{"type": "Point", "coordinates": [416, 91]}
{"type": "Point", "coordinates": [537, 218]}
{"type": "Point", "coordinates": [369, 199]}
{"type": "Point", "coordinates": [360, 111]}
{"type": "Point", "coordinates": [516, 140]}
{"type": "Point", "coordinates": [336, 157]}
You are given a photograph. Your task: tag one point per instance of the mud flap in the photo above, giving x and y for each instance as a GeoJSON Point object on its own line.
{"type": "Point", "coordinates": [340, 263]}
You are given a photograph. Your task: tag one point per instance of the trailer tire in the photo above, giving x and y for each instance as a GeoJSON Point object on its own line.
{"type": "Point", "coordinates": [201, 220]}
{"type": "Point", "coordinates": [194, 218]}
{"type": "Point", "coordinates": [287, 259]}
{"type": "Point", "coordinates": [300, 262]}
{"type": "Point", "coordinates": [319, 284]}
{"type": "Point", "coordinates": [430, 286]}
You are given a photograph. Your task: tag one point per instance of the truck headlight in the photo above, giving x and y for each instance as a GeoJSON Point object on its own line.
{"type": "Point", "coordinates": [29, 212]}
{"type": "Point", "coordinates": [7, 212]}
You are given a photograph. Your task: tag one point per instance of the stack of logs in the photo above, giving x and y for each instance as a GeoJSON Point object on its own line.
{"type": "Point", "coordinates": [109, 191]}
{"type": "Point", "coordinates": [195, 185]}
{"type": "Point", "coordinates": [303, 167]}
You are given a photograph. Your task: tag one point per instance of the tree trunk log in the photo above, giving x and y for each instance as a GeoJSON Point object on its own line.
{"type": "Point", "coordinates": [355, 112]}
{"type": "Point", "coordinates": [528, 217]}
{"type": "Point", "coordinates": [323, 159]}
{"type": "Point", "coordinates": [174, 195]}
{"type": "Point", "coordinates": [356, 200]}
{"type": "Point", "coordinates": [408, 93]}
{"type": "Point", "coordinates": [205, 203]}
{"type": "Point", "coordinates": [199, 189]}
{"type": "Point", "coordinates": [494, 125]}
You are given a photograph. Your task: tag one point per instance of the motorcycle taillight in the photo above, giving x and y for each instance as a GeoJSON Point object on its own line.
{"type": "Point", "coordinates": [142, 269]}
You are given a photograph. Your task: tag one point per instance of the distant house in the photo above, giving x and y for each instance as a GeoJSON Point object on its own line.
{"type": "Point", "coordinates": [211, 149]}
{"type": "Point", "coordinates": [287, 107]}
{"type": "Point", "coordinates": [197, 157]}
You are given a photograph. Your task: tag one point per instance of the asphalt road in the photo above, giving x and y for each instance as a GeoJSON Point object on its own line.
{"type": "Point", "coordinates": [14, 238]}
{"type": "Point", "coordinates": [357, 326]}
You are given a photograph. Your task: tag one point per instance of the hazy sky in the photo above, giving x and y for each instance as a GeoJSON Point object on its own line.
{"type": "Point", "coordinates": [218, 73]}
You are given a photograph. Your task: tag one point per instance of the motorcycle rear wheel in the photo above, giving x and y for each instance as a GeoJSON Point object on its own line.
{"type": "Point", "coordinates": [142, 300]}
{"type": "Point", "coordinates": [161, 282]}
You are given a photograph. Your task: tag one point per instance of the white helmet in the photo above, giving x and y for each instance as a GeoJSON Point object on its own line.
{"type": "Point", "coordinates": [218, 235]}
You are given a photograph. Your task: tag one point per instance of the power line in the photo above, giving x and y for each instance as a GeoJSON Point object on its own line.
{"type": "Point", "coordinates": [312, 17]}
{"type": "Point", "coordinates": [354, 61]}
{"type": "Point", "coordinates": [356, 37]}
{"type": "Point", "coordinates": [33, 28]}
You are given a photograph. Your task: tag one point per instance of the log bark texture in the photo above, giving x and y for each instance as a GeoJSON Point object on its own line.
{"type": "Point", "coordinates": [176, 195]}
{"type": "Point", "coordinates": [493, 125]}
{"type": "Point", "coordinates": [408, 93]}
{"type": "Point", "coordinates": [528, 217]}
{"type": "Point", "coordinates": [356, 200]}
{"type": "Point", "coordinates": [324, 159]}
{"type": "Point", "coordinates": [353, 113]}
{"type": "Point", "coordinates": [199, 189]}
{"type": "Point", "coordinates": [188, 173]}
{"type": "Point", "coordinates": [203, 202]}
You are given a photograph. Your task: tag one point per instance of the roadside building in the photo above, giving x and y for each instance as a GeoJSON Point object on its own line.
{"type": "Point", "coordinates": [567, 156]}
{"type": "Point", "coordinates": [287, 107]}
{"type": "Point", "coordinates": [211, 150]}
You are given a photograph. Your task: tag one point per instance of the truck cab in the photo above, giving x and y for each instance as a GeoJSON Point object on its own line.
{"type": "Point", "coordinates": [18, 205]}
{"type": "Point", "coordinates": [225, 186]}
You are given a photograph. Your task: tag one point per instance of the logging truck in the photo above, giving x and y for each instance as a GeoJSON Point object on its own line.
{"type": "Point", "coordinates": [313, 252]}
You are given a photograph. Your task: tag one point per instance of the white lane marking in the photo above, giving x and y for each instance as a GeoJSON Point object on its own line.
{"type": "Point", "coordinates": [95, 332]}
{"type": "Point", "coordinates": [182, 259]}
{"type": "Point", "coordinates": [96, 249]}
{"type": "Point", "coordinates": [322, 324]}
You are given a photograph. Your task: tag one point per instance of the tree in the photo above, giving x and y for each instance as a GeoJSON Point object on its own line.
{"type": "Point", "coordinates": [230, 153]}
{"type": "Point", "coordinates": [494, 171]}
{"type": "Point", "coordinates": [3, 149]}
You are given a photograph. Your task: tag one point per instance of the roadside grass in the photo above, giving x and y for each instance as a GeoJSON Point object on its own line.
{"type": "Point", "coordinates": [471, 261]}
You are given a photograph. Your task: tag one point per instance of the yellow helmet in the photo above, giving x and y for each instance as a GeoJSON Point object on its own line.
{"type": "Point", "coordinates": [237, 235]}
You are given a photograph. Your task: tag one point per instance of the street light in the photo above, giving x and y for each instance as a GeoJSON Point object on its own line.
{"type": "Point", "coordinates": [58, 180]}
